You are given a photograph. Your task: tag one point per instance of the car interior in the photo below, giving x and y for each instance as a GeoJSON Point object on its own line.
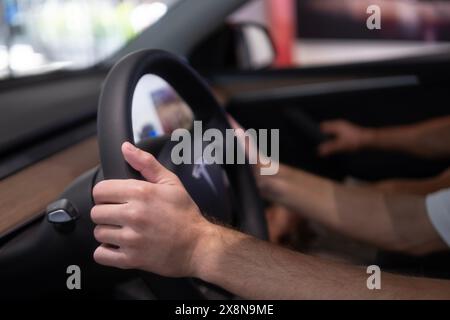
{"type": "Point", "coordinates": [61, 131]}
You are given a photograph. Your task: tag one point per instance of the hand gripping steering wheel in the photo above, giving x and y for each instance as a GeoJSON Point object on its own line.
{"type": "Point", "coordinates": [232, 199]}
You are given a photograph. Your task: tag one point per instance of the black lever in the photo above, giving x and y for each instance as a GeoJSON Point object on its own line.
{"type": "Point", "coordinates": [61, 212]}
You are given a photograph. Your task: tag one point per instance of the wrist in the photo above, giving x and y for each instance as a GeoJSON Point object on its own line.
{"type": "Point", "coordinates": [206, 248]}
{"type": "Point", "coordinates": [212, 252]}
{"type": "Point", "coordinates": [368, 137]}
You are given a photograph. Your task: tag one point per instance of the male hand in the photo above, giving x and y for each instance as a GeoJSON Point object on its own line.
{"type": "Point", "coordinates": [347, 137]}
{"type": "Point", "coordinates": [151, 225]}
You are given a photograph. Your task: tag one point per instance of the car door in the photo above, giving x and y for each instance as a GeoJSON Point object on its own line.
{"type": "Point", "coordinates": [343, 71]}
{"type": "Point", "coordinates": [376, 95]}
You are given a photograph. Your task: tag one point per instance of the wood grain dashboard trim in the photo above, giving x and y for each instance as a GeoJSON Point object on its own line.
{"type": "Point", "coordinates": [27, 193]}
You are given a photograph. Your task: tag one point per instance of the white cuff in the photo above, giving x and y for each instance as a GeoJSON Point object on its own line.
{"type": "Point", "coordinates": [438, 208]}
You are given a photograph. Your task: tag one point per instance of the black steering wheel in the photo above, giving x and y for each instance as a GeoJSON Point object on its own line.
{"type": "Point", "coordinates": [232, 198]}
{"type": "Point", "coordinates": [115, 128]}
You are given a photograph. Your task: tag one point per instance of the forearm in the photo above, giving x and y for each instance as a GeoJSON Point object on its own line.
{"type": "Point", "coordinates": [429, 139]}
{"type": "Point", "coordinates": [254, 269]}
{"type": "Point", "coordinates": [390, 221]}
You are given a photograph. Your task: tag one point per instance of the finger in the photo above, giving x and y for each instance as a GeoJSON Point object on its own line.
{"type": "Point", "coordinates": [329, 148]}
{"type": "Point", "coordinates": [331, 127]}
{"type": "Point", "coordinates": [109, 256]}
{"type": "Point", "coordinates": [109, 214]}
{"type": "Point", "coordinates": [115, 191]}
{"type": "Point", "coordinates": [146, 164]}
{"type": "Point", "coordinates": [108, 234]}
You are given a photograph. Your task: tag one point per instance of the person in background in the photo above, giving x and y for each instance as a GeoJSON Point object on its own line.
{"type": "Point", "coordinates": [429, 139]}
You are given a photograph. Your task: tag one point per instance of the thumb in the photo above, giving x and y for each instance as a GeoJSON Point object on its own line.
{"type": "Point", "coordinates": [146, 164]}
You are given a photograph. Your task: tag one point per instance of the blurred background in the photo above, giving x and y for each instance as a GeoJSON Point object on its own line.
{"type": "Point", "coordinates": [38, 36]}
{"type": "Point", "coordinates": [42, 35]}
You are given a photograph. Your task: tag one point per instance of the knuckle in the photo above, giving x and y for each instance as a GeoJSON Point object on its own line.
{"type": "Point", "coordinates": [141, 190]}
{"type": "Point", "coordinates": [147, 156]}
{"type": "Point", "coordinates": [135, 216]}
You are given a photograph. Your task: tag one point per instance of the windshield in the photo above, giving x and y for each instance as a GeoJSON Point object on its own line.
{"type": "Point", "coordinates": [38, 36]}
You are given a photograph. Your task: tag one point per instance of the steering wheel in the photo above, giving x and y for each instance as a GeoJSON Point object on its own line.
{"type": "Point", "coordinates": [230, 183]}
{"type": "Point", "coordinates": [34, 259]}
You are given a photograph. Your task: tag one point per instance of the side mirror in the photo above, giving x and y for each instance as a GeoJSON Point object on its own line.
{"type": "Point", "coordinates": [235, 46]}
{"type": "Point", "coordinates": [254, 46]}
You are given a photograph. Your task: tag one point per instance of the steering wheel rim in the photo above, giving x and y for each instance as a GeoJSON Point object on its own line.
{"type": "Point", "coordinates": [116, 100]}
